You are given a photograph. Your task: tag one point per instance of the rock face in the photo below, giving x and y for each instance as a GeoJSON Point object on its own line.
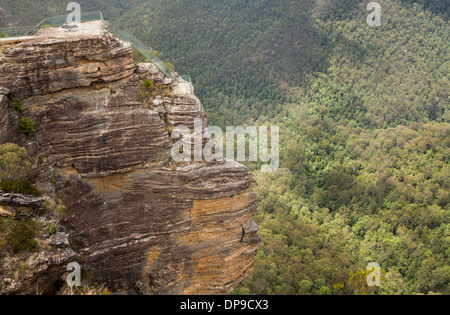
{"type": "Point", "coordinates": [47, 66]}
{"type": "Point", "coordinates": [19, 206]}
{"type": "Point", "coordinates": [137, 220]}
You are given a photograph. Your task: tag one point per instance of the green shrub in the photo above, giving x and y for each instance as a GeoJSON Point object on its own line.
{"type": "Point", "coordinates": [156, 53]}
{"type": "Point", "coordinates": [169, 65]}
{"type": "Point", "coordinates": [14, 162]}
{"type": "Point", "coordinates": [60, 211]}
{"type": "Point", "coordinates": [51, 228]}
{"type": "Point", "coordinates": [26, 126]}
{"type": "Point", "coordinates": [21, 237]}
{"type": "Point", "coordinates": [17, 104]}
{"type": "Point", "coordinates": [148, 84]}
{"type": "Point", "coordinates": [15, 167]}
{"type": "Point", "coordinates": [20, 186]}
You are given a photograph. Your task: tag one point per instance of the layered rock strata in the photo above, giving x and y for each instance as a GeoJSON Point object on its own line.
{"type": "Point", "coordinates": [137, 220]}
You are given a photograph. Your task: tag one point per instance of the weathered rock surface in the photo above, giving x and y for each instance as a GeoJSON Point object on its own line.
{"type": "Point", "coordinates": [40, 66]}
{"type": "Point", "coordinates": [136, 219]}
{"type": "Point", "coordinates": [19, 206]}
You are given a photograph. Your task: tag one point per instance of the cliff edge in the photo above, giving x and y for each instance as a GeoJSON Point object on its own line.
{"type": "Point", "coordinates": [137, 221]}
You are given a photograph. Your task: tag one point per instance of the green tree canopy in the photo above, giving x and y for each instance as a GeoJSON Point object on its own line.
{"type": "Point", "coordinates": [14, 162]}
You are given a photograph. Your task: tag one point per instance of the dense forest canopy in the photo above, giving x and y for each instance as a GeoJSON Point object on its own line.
{"type": "Point", "coordinates": [364, 119]}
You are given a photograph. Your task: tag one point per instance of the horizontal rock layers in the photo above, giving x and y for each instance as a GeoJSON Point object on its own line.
{"type": "Point", "coordinates": [44, 66]}
{"type": "Point", "coordinates": [137, 220]}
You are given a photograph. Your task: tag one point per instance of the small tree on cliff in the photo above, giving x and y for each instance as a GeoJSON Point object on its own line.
{"type": "Point", "coordinates": [26, 126]}
{"type": "Point", "coordinates": [15, 165]}
{"type": "Point", "coordinates": [14, 162]}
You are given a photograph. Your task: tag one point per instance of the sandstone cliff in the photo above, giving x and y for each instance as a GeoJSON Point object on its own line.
{"type": "Point", "coordinates": [137, 221]}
